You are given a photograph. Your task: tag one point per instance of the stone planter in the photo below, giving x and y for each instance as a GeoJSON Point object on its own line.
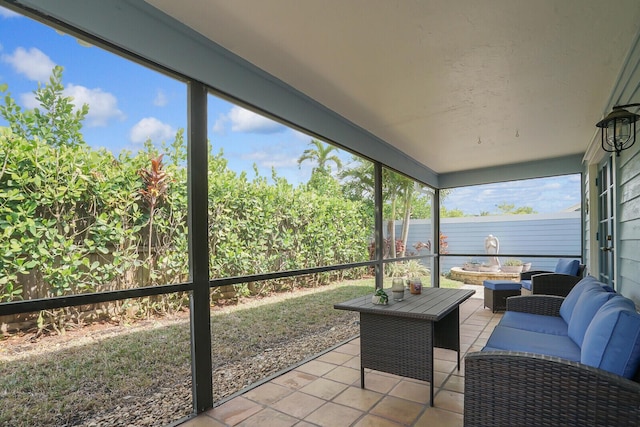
{"type": "Point", "coordinates": [471, 267]}
{"type": "Point", "coordinates": [511, 268]}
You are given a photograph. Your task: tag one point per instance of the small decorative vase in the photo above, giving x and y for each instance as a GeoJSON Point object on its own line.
{"type": "Point", "coordinates": [415, 286]}
{"type": "Point", "coordinates": [377, 300]}
{"type": "Point", "coordinates": [397, 288]}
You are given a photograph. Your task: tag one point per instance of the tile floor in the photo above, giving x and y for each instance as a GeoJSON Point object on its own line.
{"type": "Point", "coordinates": [326, 390]}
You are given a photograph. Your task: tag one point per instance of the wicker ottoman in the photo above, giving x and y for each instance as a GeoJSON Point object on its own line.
{"type": "Point", "coordinates": [496, 293]}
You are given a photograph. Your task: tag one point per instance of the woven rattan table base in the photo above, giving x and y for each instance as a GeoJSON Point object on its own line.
{"type": "Point", "coordinates": [404, 346]}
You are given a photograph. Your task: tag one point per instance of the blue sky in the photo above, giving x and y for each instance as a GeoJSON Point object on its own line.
{"type": "Point", "coordinates": [129, 103]}
{"type": "Point", "coordinates": [544, 195]}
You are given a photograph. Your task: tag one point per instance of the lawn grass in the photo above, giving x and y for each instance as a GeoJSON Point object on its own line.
{"type": "Point", "coordinates": [62, 387]}
{"type": "Point", "coordinates": [65, 386]}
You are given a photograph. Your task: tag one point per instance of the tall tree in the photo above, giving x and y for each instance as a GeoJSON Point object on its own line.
{"type": "Point", "coordinates": [321, 153]}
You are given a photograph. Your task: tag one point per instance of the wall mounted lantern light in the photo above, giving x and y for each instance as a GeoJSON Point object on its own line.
{"type": "Point", "coordinates": [617, 131]}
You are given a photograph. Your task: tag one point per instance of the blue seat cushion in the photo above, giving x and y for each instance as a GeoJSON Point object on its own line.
{"type": "Point", "coordinates": [570, 267]}
{"type": "Point", "coordinates": [513, 339]}
{"type": "Point", "coordinates": [501, 285]}
{"type": "Point", "coordinates": [554, 325]}
{"type": "Point", "coordinates": [612, 340]}
{"type": "Point", "coordinates": [587, 306]}
{"type": "Point", "coordinates": [526, 284]}
{"type": "Point", "coordinates": [569, 303]}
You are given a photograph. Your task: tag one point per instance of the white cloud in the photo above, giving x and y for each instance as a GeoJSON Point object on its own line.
{"type": "Point", "coordinates": [28, 100]}
{"type": "Point", "coordinates": [219, 127]}
{"type": "Point", "coordinates": [103, 106]}
{"type": "Point", "coordinates": [281, 155]}
{"type": "Point", "coordinates": [249, 122]}
{"type": "Point", "coordinates": [32, 63]}
{"type": "Point", "coordinates": [552, 186]}
{"type": "Point", "coordinates": [271, 160]}
{"type": "Point", "coordinates": [161, 99]}
{"type": "Point", "coordinates": [151, 128]}
{"type": "Point", "coordinates": [6, 13]}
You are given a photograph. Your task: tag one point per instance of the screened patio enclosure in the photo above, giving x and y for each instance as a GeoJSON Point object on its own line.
{"type": "Point", "coordinates": [411, 107]}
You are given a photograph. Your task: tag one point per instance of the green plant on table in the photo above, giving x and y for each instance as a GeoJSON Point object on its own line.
{"type": "Point", "coordinates": [513, 262]}
{"type": "Point", "coordinates": [384, 298]}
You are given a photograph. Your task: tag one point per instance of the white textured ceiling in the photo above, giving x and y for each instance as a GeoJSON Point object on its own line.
{"type": "Point", "coordinates": [456, 84]}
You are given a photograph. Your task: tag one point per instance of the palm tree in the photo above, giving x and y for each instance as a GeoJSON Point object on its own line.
{"type": "Point", "coordinates": [321, 154]}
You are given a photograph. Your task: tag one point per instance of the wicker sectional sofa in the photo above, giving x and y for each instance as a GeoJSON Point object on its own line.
{"type": "Point", "coordinates": [554, 361]}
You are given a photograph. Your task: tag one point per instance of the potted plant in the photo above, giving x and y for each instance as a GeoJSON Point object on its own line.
{"type": "Point", "coordinates": [512, 266]}
{"type": "Point", "coordinates": [415, 268]}
{"type": "Point", "coordinates": [380, 297]}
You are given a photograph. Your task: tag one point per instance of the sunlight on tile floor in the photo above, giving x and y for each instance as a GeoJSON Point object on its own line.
{"type": "Point", "coordinates": [326, 391]}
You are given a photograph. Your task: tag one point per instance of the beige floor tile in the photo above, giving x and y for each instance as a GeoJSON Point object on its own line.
{"type": "Point", "coordinates": [326, 391]}
{"type": "Point", "coordinates": [294, 379]}
{"type": "Point", "coordinates": [477, 320]}
{"type": "Point", "coordinates": [442, 354]}
{"type": "Point", "coordinates": [344, 375]}
{"type": "Point", "coordinates": [440, 377]}
{"type": "Point", "coordinates": [354, 363]}
{"type": "Point", "coordinates": [298, 404]}
{"type": "Point", "coordinates": [415, 392]}
{"type": "Point", "coordinates": [334, 415]}
{"type": "Point", "coordinates": [235, 411]}
{"type": "Point", "coordinates": [316, 367]}
{"type": "Point", "coordinates": [454, 383]}
{"type": "Point", "coordinates": [324, 388]}
{"type": "Point", "coordinates": [467, 340]}
{"type": "Point", "coordinates": [470, 328]}
{"type": "Point", "coordinates": [375, 421]}
{"type": "Point", "coordinates": [436, 417]}
{"type": "Point", "coordinates": [450, 400]}
{"type": "Point", "coordinates": [358, 398]}
{"type": "Point", "coordinates": [379, 382]}
{"type": "Point", "coordinates": [398, 410]}
{"type": "Point", "coordinates": [444, 365]}
{"type": "Point", "coordinates": [268, 393]}
{"type": "Point", "coordinates": [351, 348]}
{"type": "Point", "coordinates": [335, 358]}
{"type": "Point", "coordinates": [269, 418]}
{"type": "Point", "coordinates": [203, 421]}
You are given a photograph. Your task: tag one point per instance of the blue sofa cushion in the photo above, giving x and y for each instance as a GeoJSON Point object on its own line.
{"type": "Point", "coordinates": [570, 267]}
{"type": "Point", "coordinates": [526, 284]}
{"type": "Point", "coordinates": [612, 340]}
{"type": "Point", "coordinates": [501, 285]}
{"type": "Point", "coordinates": [587, 306]}
{"type": "Point", "coordinates": [569, 303]}
{"type": "Point", "coordinates": [513, 339]}
{"type": "Point", "coordinates": [554, 325]}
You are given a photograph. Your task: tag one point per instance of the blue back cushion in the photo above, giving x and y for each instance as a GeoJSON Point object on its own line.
{"type": "Point", "coordinates": [553, 325]}
{"type": "Point", "coordinates": [570, 267]}
{"type": "Point", "coordinates": [586, 308]}
{"type": "Point", "coordinates": [569, 303]}
{"type": "Point", "coordinates": [612, 340]}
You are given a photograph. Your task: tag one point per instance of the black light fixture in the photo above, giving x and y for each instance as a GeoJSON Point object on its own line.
{"type": "Point", "coordinates": [617, 132]}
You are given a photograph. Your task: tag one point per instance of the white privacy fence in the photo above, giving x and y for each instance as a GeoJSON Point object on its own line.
{"type": "Point", "coordinates": [557, 233]}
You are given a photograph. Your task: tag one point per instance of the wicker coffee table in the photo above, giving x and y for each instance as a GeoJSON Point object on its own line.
{"type": "Point", "coordinates": [398, 338]}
